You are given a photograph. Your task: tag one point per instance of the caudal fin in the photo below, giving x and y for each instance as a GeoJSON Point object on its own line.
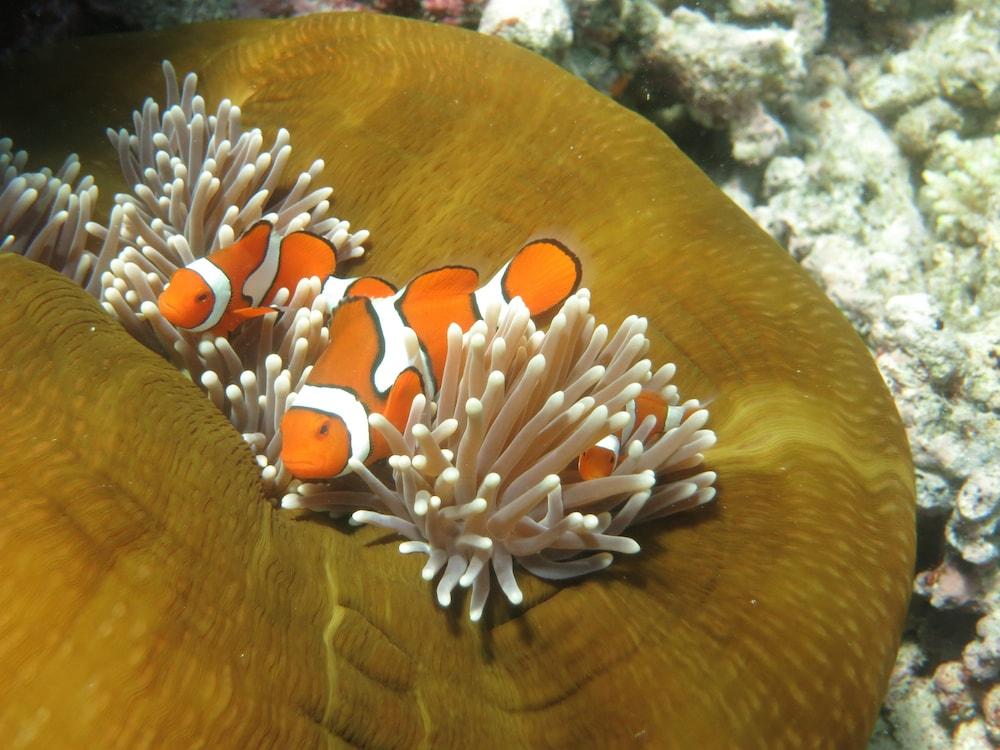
{"type": "Point", "coordinates": [303, 254]}
{"type": "Point", "coordinates": [543, 274]}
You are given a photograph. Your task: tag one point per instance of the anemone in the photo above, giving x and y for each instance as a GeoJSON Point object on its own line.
{"type": "Point", "coordinates": [198, 180]}
{"type": "Point", "coordinates": [44, 215]}
{"type": "Point", "coordinates": [162, 599]}
{"type": "Point", "coordinates": [482, 476]}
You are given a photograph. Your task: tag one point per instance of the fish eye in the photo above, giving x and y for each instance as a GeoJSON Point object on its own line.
{"type": "Point", "coordinates": [324, 428]}
{"type": "Point", "coordinates": [203, 297]}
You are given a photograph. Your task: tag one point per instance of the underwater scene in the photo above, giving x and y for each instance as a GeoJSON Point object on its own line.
{"type": "Point", "coordinates": [500, 373]}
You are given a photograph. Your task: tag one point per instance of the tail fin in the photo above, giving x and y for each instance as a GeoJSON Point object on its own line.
{"type": "Point", "coordinates": [303, 254]}
{"type": "Point", "coordinates": [543, 274]}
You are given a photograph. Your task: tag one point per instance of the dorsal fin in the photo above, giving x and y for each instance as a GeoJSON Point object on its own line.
{"type": "Point", "coordinates": [406, 388]}
{"type": "Point", "coordinates": [372, 287]}
{"type": "Point", "coordinates": [543, 274]}
{"type": "Point", "coordinates": [449, 281]}
{"type": "Point", "coordinates": [356, 347]}
{"type": "Point", "coordinates": [255, 237]}
{"type": "Point", "coordinates": [243, 257]}
{"type": "Point", "coordinates": [433, 301]}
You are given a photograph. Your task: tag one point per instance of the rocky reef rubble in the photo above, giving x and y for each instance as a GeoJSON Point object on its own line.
{"type": "Point", "coordinates": [887, 190]}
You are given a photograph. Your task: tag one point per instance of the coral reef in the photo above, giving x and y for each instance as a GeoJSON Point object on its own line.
{"type": "Point", "coordinates": [880, 172]}
{"type": "Point", "coordinates": [540, 25]}
{"type": "Point", "coordinates": [825, 134]}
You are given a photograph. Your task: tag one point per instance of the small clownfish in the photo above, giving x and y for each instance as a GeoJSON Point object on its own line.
{"type": "Point", "coordinates": [220, 291]}
{"type": "Point", "coordinates": [601, 459]}
{"type": "Point", "coordinates": [366, 368]}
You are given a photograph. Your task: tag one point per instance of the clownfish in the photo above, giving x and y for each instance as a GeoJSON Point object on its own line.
{"type": "Point", "coordinates": [220, 291]}
{"type": "Point", "coordinates": [601, 459]}
{"type": "Point", "coordinates": [366, 368]}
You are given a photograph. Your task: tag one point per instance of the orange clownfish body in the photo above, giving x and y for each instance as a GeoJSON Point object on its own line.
{"type": "Point", "coordinates": [218, 292]}
{"type": "Point", "coordinates": [367, 369]}
{"type": "Point", "coordinates": [601, 459]}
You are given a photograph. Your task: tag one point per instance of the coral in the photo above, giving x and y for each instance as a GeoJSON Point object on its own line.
{"type": "Point", "coordinates": [917, 129]}
{"type": "Point", "coordinates": [953, 693]}
{"type": "Point", "coordinates": [835, 138]}
{"type": "Point", "coordinates": [454, 12]}
{"type": "Point", "coordinates": [958, 59]}
{"type": "Point", "coordinates": [913, 722]}
{"type": "Point", "coordinates": [879, 171]}
{"type": "Point", "coordinates": [540, 25]}
{"type": "Point", "coordinates": [916, 271]}
{"type": "Point", "coordinates": [844, 208]}
{"type": "Point", "coordinates": [991, 713]}
{"type": "Point", "coordinates": [981, 658]}
{"type": "Point", "coordinates": [729, 76]}
{"type": "Point", "coordinates": [961, 196]}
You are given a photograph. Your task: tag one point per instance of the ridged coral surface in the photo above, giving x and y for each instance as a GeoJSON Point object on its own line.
{"type": "Point", "coordinates": [153, 595]}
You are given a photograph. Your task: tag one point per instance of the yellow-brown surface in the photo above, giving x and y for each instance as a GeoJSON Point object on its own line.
{"type": "Point", "coordinates": [148, 594]}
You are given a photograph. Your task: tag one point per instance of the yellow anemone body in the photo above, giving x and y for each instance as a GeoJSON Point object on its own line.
{"type": "Point", "coordinates": [149, 595]}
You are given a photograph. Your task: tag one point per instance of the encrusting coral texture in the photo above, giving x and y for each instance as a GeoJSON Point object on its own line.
{"type": "Point", "coordinates": [483, 475]}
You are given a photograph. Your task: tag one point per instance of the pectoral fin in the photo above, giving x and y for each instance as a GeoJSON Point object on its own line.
{"type": "Point", "coordinates": [246, 313]}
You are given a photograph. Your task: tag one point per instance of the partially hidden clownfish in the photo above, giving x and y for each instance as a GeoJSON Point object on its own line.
{"type": "Point", "coordinates": [601, 459]}
{"type": "Point", "coordinates": [225, 288]}
{"type": "Point", "coordinates": [367, 369]}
